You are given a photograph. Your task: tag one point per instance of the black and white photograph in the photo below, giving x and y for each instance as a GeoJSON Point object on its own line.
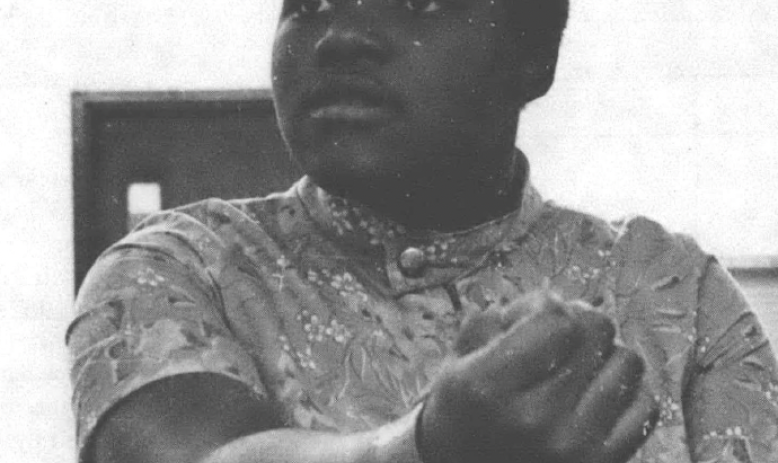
{"type": "Point", "coordinates": [389, 231]}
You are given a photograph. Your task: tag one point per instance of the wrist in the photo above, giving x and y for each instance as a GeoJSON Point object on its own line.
{"type": "Point", "coordinates": [397, 441]}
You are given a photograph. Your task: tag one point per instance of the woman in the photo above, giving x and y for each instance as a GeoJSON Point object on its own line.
{"type": "Point", "coordinates": [413, 298]}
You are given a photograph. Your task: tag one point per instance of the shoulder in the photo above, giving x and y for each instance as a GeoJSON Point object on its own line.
{"type": "Point", "coordinates": [216, 222]}
{"type": "Point", "coordinates": [214, 213]}
{"type": "Point", "coordinates": [633, 240]}
{"type": "Point", "coordinates": [204, 237]}
{"type": "Point", "coordinates": [640, 263]}
{"type": "Point", "coordinates": [648, 256]}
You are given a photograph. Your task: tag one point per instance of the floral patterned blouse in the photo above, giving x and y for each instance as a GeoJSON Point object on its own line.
{"type": "Point", "coordinates": [344, 318]}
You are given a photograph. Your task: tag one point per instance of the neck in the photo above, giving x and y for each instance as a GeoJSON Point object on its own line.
{"type": "Point", "coordinates": [445, 202]}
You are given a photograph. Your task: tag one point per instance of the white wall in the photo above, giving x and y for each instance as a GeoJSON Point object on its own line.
{"type": "Point", "coordinates": [664, 108]}
{"type": "Point", "coordinates": [47, 49]}
{"type": "Point", "coordinates": [668, 109]}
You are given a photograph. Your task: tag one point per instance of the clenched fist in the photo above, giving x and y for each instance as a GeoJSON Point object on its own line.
{"type": "Point", "coordinates": [553, 388]}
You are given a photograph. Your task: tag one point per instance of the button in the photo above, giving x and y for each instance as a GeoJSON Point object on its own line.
{"type": "Point", "coordinates": [412, 262]}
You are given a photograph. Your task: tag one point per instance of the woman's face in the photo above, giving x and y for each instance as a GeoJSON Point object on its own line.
{"type": "Point", "coordinates": [395, 90]}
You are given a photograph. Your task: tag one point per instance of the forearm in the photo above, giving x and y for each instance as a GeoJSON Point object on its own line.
{"type": "Point", "coordinates": [393, 443]}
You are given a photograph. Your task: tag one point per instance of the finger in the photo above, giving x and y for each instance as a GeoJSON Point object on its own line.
{"type": "Point", "coordinates": [613, 391]}
{"type": "Point", "coordinates": [529, 353]}
{"type": "Point", "coordinates": [477, 331]}
{"type": "Point", "coordinates": [550, 400]}
{"type": "Point", "coordinates": [631, 431]}
{"type": "Point", "coordinates": [536, 350]}
{"type": "Point", "coordinates": [540, 410]}
{"type": "Point", "coordinates": [530, 304]}
{"type": "Point", "coordinates": [559, 395]}
{"type": "Point", "coordinates": [603, 403]}
{"type": "Point", "coordinates": [600, 334]}
{"type": "Point", "coordinates": [481, 328]}
{"type": "Point", "coordinates": [596, 348]}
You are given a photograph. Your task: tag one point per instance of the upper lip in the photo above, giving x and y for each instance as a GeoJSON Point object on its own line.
{"type": "Point", "coordinates": [348, 89]}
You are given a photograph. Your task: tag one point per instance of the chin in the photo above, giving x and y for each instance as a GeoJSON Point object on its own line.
{"type": "Point", "coordinates": [351, 155]}
{"type": "Point", "coordinates": [341, 178]}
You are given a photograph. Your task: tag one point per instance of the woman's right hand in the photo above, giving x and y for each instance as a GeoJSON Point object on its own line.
{"type": "Point", "coordinates": [554, 388]}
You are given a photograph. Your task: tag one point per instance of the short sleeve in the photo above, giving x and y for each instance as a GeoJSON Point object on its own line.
{"type": "Point", "coordinates": [733, 390]}
{"type": "Point", "coordinates": [149, 310]}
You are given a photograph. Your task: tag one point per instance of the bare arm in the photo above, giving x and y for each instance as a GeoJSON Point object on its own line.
{"type": "Point", "coordinates": [393, 443]}
{"type": "Point", "coordinates": [208, 418]}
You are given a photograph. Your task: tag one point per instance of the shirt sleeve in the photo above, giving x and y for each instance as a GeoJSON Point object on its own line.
{"type": "Point", "coordinates": [732, 400]}
{"type": "Point", "coordinates": [149, 310]}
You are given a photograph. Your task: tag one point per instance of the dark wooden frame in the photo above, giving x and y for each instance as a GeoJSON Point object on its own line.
{"type": "Point", "coordinates": [90, 108]}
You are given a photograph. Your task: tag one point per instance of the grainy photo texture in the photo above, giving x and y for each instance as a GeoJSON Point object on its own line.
{"type": "Point", "coordinates": [418, 231]}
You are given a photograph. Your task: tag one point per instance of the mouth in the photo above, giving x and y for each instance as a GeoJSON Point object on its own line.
{"type": "Point", "coordinates": [351, 101]}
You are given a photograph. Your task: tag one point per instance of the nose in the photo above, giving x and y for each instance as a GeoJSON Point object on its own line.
{"type": "Point", "coordinates": [351, 44]}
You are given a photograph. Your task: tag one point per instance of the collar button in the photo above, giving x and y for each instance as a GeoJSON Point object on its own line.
{"type": "Point", "coordinates": [412, 262]}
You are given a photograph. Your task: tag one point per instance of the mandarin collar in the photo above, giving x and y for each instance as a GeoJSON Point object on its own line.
{"type": "Point", "coordinates": [444, 256]}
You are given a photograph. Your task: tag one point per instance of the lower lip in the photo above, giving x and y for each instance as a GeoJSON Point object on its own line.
{"type": "Point", "coordinates": [352, 112]}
